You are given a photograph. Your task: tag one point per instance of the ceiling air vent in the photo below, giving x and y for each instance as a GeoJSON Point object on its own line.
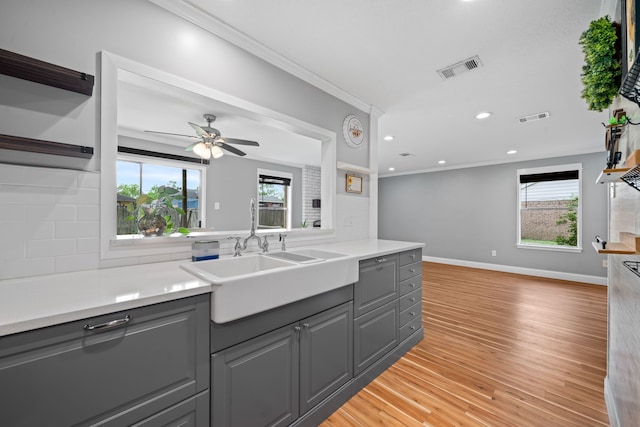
{"type": "Point", "coordinates": [533, 117]}
{"type": "Point", "coordinates": [460, 67]}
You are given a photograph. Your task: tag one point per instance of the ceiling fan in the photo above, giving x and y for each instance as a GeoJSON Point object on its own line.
{"type": "Point", "coordinates": [211, 141]}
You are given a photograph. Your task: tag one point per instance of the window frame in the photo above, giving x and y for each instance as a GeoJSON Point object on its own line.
{"type": "Point", "coordinates": [542, 170]}
{"type": "Point", "coordinates": [289, 198]}
{"type": "Point", "coordinates": [202, 168]}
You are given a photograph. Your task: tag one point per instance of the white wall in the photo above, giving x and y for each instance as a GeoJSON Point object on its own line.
{"type": "Point", "coordinates": [71, 34]}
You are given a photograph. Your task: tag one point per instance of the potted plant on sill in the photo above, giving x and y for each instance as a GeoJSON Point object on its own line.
{"type": "Point", "coordinates": [153, 214]}
{"type": "Point", "coordinates": [601, 71]}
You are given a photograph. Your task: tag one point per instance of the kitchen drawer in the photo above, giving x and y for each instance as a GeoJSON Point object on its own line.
{"type": "Point", "coordinates": [409, 257]}
{"type": "Point", "coordinates": [410, 270]}
{"type": "Point", "coordinates": [410, 285]}
{"type": "Point", "coordinates": [193, 412]}
{"type": "Point", "coordinates": [411, 313]}
{"type": "Point", "coordinates": [377, 284]}
{"type": "Point", "coordinates": [112, 376]}
{"type": "Point", "coordinates": [410, 299]}
{"type": "Point", "coordinates": [375, 334]}
{"type": "Point", "coordinates": [410, 328]}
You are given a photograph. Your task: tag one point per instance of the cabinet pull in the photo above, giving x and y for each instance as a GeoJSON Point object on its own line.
{"type": "Point", "coordinates": [413, 328]}
{"type": "Point", "coordinates": [412, 299]}
{"type": "Point", "coordinates": [297, 328]}
{"type": "Point", "coordinates": [413, 313]}
{"type": "Point", "coordinates": [305, 325]}
{"type": "Point", "coordinates": [108, 325]}
{"type": "Point", "coordinates": [381, 259]}
{"type": "Point", "coordinates": [412, 256]}
{"type": "Point", "coordinates": [411, 270]}
{"type": "Point", "coordinates": [413, 285]}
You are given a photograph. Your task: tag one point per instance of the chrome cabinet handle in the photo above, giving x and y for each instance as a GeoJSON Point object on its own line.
{"type": "Point", "coordinates": [108, 325]}
{"type": "Point", "coordinates": [413, 328]}
{"type": "Point", "coordinates": [379, 260]}
{"type": "Point", "coordinates": [411, 270]}
{"type": "Point", "coordinates": [412, 299]}
{"type": "Point", "coordinates": [413, 285]}
{"type": "Point", "coordinates": [412, 256]}
{"type": "Point", "coordinates": [297, 328]}
{"type": "Point", "coordinates": [413, 313]}
{"type": "Point", "coordinates": [306, 325]}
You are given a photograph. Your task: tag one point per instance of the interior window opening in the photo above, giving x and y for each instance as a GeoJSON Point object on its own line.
{"type": "Point", "coordinates": [274, 200]}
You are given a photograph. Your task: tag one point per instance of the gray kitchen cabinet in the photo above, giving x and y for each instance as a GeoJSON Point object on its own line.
{"type": "Point", "coordinates": [274, 378]}
{"type": "Point", "coordinates": [410, 292]}
{"type": "Point", "coordinates": [377, 284]}
{"type": "Point", "coordinates": [375, 334]}
{"type": "Point", "coordinates": [145, 365]}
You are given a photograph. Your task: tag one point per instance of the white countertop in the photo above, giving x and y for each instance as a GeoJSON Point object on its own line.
{"type": "Point", "coordinates": [40, 301]}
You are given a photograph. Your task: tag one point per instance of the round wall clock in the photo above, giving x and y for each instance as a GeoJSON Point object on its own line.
{"type": "Point", "coordinates": [353, 131]}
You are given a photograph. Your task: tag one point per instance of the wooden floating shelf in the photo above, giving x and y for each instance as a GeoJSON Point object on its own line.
{"type": "Point", "coordinates": [353, 168]}
{"type": "Point", "coordinates": [630, 244]}
{"type": "Point", "coordinates": [26, 68]}
{"type": "Point", "coordinates": [18, 143]}
{"type": "Point", "coordinates": [610, 175]}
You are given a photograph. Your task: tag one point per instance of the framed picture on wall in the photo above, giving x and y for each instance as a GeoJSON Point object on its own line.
{"type": "Point", "coordinates": [354, 184]}
{"type": "Point", "coordinates": [629, 34]}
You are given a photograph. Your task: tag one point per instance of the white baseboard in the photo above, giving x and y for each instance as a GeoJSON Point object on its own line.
{"type": "Point", "coordinates": [611, 406]}
{"type": "Point", "coordinates": [596, 280]}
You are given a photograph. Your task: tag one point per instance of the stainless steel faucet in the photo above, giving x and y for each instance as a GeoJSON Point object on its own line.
{"type": "Point", "coordinates": [263, 245]}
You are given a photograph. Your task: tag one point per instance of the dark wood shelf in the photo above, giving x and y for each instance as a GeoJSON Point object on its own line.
{"type": "Point", "coordinates": [26, 68]}
{"type": "Point", "coordinates": [9, 142]}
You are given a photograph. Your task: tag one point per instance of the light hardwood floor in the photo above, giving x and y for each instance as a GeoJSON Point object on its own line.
{"type": "Point", "coordinates": [500, 349]}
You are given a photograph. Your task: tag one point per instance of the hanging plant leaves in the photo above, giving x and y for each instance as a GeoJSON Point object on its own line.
{"type": "Point", "coordinates": [601, 71]}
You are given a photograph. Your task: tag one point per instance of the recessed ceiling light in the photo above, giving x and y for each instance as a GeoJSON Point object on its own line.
{"type": "Point", "coordinates": [483, 115]}
{"type": "Point", "coordinates": [392, 169]}
{"type": "Point", "coordinates": [389, 138]}
{"type": "Point", "coordinates": [512, 151]}
{"type": "Point", "coordinates": [441, 162]}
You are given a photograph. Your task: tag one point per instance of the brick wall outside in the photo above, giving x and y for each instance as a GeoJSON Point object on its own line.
{"type": "Point", "coordinates": [538, 221]}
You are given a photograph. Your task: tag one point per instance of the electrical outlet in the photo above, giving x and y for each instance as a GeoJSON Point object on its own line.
{"type": "Point", "coordinates": [605, 263]}
{"type": "Point", "coordinates": [493, 253]}
{"type": "Point", "coordinates": [216, 205]}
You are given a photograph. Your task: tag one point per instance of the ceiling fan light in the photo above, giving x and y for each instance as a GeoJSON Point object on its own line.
{"type": "Point", "coordinates": [216, 152]}
{"type": "Point", "coordinates": [201, 150]}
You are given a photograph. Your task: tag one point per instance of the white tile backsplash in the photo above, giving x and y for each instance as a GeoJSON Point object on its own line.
{"type": "Point", "coordinates": [50, 220]}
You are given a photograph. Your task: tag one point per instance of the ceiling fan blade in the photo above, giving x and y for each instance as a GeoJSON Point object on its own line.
{"type": "Point", "coordinates": [168, 133]}
{"type": "Point", "coordinates": [190, 148]}
{"type": "Point", "coordinates": [201, 132]}
{"type": "Point", "coordinates": [239, 141]}
{"type": "Point", "coordinates": [231, 149]}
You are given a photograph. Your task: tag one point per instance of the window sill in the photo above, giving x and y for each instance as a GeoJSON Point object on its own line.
{"type": "Point", "coordinates": [550, 248]}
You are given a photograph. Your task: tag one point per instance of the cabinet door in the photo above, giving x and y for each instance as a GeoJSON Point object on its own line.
{"type": "Point", "coordinates": [255, 383]}
{"type": "Point", "coordinates": [375, 334]}
{"type": "Point", "coordinates": [377, 284]}
{"type": "Point", "coordinates": [113, 376]}
{"type": "Point", "coordinates": [326, 357]}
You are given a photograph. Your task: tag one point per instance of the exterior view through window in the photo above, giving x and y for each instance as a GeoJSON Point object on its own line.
{"type": "Point", "coordinates": [147, 188]}
{"type": "Point", "coordinates": [549, 207]}
{"type": "Point", "coordinates": [274, 199]}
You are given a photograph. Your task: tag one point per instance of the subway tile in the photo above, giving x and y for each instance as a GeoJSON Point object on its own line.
{"type": "Point", "coordinates": [27, 268]}
{"type": "Point", "coordinates": [51, 213]}
{"type": "Point", "coordinates": [76, 229]}
{"type": "Point", "coordinates": [44, 248]}
{"type": "Point", "coordinates": [64, 264]}
{"type": "Point", "coordinates": [89, 245]}
{"type": "Point", "coordinates": [12, 249]}
{"type": "Point", "coordinates": [88, 212]}
{"type": "Point", "coordinates": [148, 259]}
{"type": "Point", "coordinates": [43, 177]}
{"type": "Point", "coordinates": [12, 213]}
{"type": "Point", "coordinates": [79, 196]}
{"type": "Point", "coordinates": [37, 231]}
{"type": "Point", "coordinates": [118, 262]}
{"type": "Point", "coordinates": [89, 180]}
{"type": "Point", "coordinates": [25, 195]}
{"type": "Point", "coordinates": [11, 174]}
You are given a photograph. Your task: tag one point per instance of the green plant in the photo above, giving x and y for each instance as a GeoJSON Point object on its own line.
{"type": "Point", "coordinates": [615, 121]}
{"type": "Point", "coordinates": [601, 71]}
{"type": "Point", "coordinates": [303, 224]}
{"type": "Point", "coordinates": [570, 217]}
{"type": "Point", "coordinates": [158, 202]}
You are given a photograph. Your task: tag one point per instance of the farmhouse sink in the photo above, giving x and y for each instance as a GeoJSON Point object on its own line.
{"type": "Point", "coordinates": [305, 255]}
{"type": "Point", "coordinates": [253, 283]}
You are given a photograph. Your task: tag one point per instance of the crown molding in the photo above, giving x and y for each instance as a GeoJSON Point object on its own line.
{"type": "Point", "coordinates": [202, 19]}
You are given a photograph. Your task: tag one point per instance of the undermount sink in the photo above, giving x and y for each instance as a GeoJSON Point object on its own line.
{"type": "Point", "coordinates": [253, 283]}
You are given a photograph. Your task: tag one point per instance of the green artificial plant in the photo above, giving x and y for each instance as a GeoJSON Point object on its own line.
{"type": "Point", "coordinates": [601, 71]}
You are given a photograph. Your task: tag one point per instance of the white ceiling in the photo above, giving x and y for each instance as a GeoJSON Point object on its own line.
{"type": "Point", "coordinates": [385, 53]}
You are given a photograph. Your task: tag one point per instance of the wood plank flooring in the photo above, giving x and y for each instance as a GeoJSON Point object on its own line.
{"type": "Point", "coordinates": [500, 349]}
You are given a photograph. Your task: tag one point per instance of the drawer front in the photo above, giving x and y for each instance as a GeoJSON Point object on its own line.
{"type": "Point", "coordinates": [377, 284]}
{"type": "Point", "coordinates": [410, 285]}
{"type": "Point", "coordinates": [411, 313]}
{"type": "Point", "coordinates": [410, 299]}
{"type": "Point", "coordinates": [117, 376]}
{"type": "Point", "coordinates": [410, 270]}
{"type": "Point", "coordinates": [410, 328]}
{"type": "Point", "coordinates": [409, 257]}
{"type": "Point", "coordinates": [193, 412]}
{"type": "Point", "coordinates": [374, 335]}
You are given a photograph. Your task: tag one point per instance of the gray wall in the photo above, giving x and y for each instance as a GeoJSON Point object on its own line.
{"type": "Point", "coordinates": [232, 181]}
{"type": "Point", "coordinates": [464, 214]}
